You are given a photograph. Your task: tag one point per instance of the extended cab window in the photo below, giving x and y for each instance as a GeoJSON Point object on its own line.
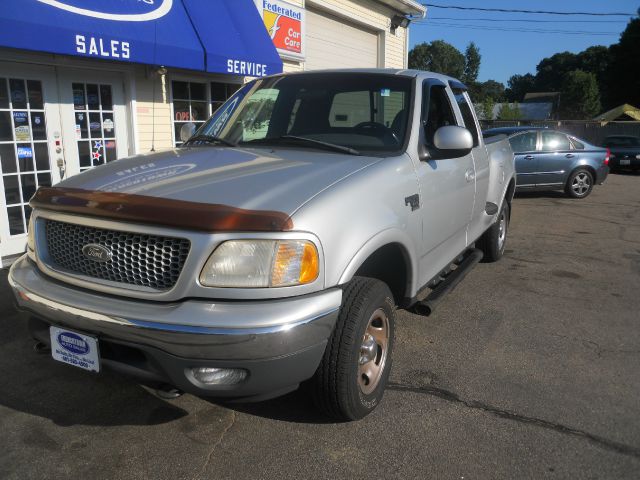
{"type": "Point", "coordinates": [525, 142]}
{"type": "Point", "coordinates": [467, 114]}
{"type": "Point", "coordinates": [554, 141]}
{"type": "Point", "coordinates": [436, 111]}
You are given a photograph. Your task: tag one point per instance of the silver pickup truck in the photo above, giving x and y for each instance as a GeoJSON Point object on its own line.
{"type": "Point", "coordinates": [274, 246]}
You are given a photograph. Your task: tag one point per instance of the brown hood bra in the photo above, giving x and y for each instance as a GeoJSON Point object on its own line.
{"type": "Point", "coordinates": [159, 211]}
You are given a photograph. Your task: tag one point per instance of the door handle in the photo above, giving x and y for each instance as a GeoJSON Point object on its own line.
{"type": "Point", "coordinates": [470, 175]}
{"type": "Point", "coordinates": [569, 155]}
{"type": "Point", "coordinates": [529, 157]}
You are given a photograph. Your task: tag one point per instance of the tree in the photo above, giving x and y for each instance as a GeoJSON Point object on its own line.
{"type": "Point", "coordinates": [437, 56]}
{"type": "Point", "coordinates": [519, 85]}
{"type": "Point", "coordinates": [472, 60]}
{"type": "Point", "coordinates": [509, 112]}
{"type": "Point", "coordinates": [623, 81]}
{"type": "Point", "coordinates": [552, 71]}
{"type": "Point", "coordinates": [486, 109]}
{"type": "Point", "coordinates": [597, 60]}
{"type": "Point", "coordinates": [493, 89]}
{"type": "Point", "coordinates": [579, 97]}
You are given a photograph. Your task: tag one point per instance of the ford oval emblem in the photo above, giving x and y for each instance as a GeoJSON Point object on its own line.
{"type": "Point", "coordinates": [73, 343]}
{"type": "Point", "coordinates": [122, 11]}
{"type": "Point", "coordinates": [97, 253]}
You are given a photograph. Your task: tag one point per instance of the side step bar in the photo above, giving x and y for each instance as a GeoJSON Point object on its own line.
{"type": "Point", "coordinates": [427, 306]}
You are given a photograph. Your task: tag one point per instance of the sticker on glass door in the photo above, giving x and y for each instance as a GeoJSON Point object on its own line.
{"type": "Point", "coordinates": [94, 124]}
{"type": "Point", "coordinates": [24, 152]}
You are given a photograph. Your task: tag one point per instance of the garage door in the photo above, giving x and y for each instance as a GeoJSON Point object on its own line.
{"type": "Point", "coordinates": [333, 43]}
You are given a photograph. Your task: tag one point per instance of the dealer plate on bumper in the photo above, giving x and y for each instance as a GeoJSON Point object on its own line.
{"type": "Point", "coordinates": [75, 349]}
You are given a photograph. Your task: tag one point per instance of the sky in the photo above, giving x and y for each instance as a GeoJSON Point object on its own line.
{"type": "Point", "coordinates": [505, 49]}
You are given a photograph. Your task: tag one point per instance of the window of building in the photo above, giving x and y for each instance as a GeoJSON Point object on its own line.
{"type": "Point", "coordinates": [220, 93]}
{"type": "Point", "coordinates": [194, 102]}
{"type": "Point", "coordinates": [24, 154]}
{"type": "Point", "coordinates": [94, 122]}
{"type": "Point", "coordinates": [190, 104]}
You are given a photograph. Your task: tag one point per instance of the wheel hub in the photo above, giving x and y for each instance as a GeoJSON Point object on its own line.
{"type": "Point", "coordinates": [369, 349]}
{"type": "Point", "coordinates": [373, 352]}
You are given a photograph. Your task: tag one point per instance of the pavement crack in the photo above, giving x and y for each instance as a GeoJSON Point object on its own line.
{"type": "Point", "coordinates": [216, 445]}
{"type": "Point", "coordinates": [450, 396]}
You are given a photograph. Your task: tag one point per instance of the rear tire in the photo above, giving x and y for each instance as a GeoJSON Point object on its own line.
{"type": "Point", "coordinates": [493, 241]}
{"type": "Point", "coordinates": [579, 184]}
{"type": "Point", "coordinates": [354, 370]}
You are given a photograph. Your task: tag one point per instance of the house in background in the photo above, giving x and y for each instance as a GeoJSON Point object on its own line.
{"type": "Point", "coordinates": [623, 113]}
{"type": "Point", "coordinates": [528, 111]}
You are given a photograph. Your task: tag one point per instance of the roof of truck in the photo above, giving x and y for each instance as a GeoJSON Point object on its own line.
{"type": "Point", "coordinates": [387, 71]}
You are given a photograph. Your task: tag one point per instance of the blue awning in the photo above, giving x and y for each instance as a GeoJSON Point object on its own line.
{"type": "Point", "coordinates": [234, 38]}
{"type": "Point", "coordinates": [214, 35]}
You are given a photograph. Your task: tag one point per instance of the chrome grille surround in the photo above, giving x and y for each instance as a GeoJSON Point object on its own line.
{"type": "Point", "coordinates": [137, 260]}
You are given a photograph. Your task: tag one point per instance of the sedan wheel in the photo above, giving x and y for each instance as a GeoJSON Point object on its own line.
{"type": "Point", "coordinates": [580, 184]}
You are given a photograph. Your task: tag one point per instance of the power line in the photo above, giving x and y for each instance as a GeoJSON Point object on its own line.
{"type": "Point", "coordinates": [542, 12]}
{"type": "Point", "coordinates": [519, 30]}
{"type": "Point", "coordinates": [520, 20]}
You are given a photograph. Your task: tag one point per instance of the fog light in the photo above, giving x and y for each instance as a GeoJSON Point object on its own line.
{"type": "Point", "coordinates": [219, 376]}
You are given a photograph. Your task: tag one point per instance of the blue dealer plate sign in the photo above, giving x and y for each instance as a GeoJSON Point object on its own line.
{"type": "Point", "coordinates": [75, 349]}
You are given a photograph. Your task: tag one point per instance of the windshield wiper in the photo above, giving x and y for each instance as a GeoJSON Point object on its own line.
{"type": "Point", "coordinates": [317, 143]}
{"type": "Point", "coordinates": [210, 139]}
{"type": "Point", "coordinates": [320, 143]}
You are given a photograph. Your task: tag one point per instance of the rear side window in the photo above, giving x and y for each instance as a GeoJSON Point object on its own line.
{"type": "Point", "coordinates": [467, 114]}
{"type": "Point", "coordinates": [525, 142]}
{"type": "Point", "coordinates": [436, 111]}
{"type": "Point", "coordinates": [554, 141]}
{"type": "Point", "coordinates": [577, 144]}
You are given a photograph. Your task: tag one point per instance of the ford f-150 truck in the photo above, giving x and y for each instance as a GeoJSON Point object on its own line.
{"type": "Point", "coordinates": [273, 246]}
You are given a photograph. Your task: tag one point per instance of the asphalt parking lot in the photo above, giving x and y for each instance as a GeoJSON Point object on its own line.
{"type": "Point", "coordinates": [529, 369]}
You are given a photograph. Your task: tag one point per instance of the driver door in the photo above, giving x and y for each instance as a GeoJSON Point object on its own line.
{"type": "Point", "coordinates": [447, 188]}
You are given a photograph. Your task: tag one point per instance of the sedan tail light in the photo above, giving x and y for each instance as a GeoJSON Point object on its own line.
{"type": "Point", "coordinates": [606, 159]}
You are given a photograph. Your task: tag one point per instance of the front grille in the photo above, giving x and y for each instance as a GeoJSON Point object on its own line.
{"type": "Point", "coordinates": [136, 259]}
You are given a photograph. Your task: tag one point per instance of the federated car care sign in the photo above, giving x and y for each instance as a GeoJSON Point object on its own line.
{"type": "Point", "coordinates": [286, 25]}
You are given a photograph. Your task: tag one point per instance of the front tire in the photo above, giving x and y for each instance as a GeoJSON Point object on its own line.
{"type": "Point", "coordinates": [354, 370]}
{"type": "Point", "coordinates": [579, 184]}
{"type": "Point", "coordinates": [493, 241]}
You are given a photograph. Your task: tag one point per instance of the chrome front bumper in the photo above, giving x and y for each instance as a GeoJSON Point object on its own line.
{"type": "Point", "coordinates": [280, 341]}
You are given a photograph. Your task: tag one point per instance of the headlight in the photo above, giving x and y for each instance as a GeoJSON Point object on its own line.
{"type": "Point", "coordinates": [31, 234]}
{"type": "Point", "coordinates": [261, 263]}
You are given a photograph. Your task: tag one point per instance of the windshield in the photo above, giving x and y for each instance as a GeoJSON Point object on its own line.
{"type": "Point", "coordinates": [362, 112]}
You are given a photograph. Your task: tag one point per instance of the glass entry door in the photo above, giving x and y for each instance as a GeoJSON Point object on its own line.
{"type": "Point", "coordinates": [29, 131]}
{"type": "Point", "coordinates": [93, 119]}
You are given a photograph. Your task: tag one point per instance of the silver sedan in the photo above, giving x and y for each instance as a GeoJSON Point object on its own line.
{"type": "Point", "coordinates": [551, 160]}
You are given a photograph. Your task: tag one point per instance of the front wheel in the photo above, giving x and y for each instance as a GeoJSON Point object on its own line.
{"type": "Point", "coordinates": [580, 183]}
{"type": "Point", "coordinates": [354, 370]}
{"type": "Point", "coordinates": [493, 241]}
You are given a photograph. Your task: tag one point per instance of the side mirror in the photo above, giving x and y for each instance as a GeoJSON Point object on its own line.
{"type": "Point", "coordinates": [454, 140]}
{"type": "Point", "coordinates": [187, 131]}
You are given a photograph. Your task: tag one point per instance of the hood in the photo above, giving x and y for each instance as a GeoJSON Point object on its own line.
{"type": "Point", "coordinates": [254, 179]}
